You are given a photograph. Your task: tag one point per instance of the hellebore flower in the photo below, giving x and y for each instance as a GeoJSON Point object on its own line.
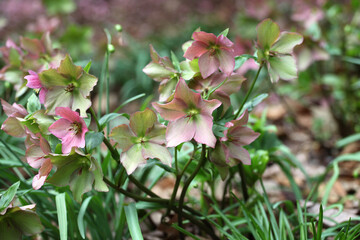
{"type": "Point", "coordinates": [140, 140]}
{"type": "Point", "coordinates": [36, 157]}
{"type": "Point", "coordinates": [33, 81]}
{"type": "Point", "coordinates": [229, 151]}
{"type": "Point", "coordinates": [71, 129]}
{"type": "Point", "coordinates": [12, 125]}
{"type": "Point", "coordinates": [232, 85]}
{"type": "Point", "coordinates": [67, 86]}
{"type": "Point", "coordinates": [275, 49]}
{"type": "Point", "coordinates": [162, 70]}
{"type": "Point", "coordinates": [213, 53]}
{"type": "Point", "coordinates": [189, 116]}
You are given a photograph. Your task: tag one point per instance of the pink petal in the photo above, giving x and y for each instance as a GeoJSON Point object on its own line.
{"type": "Point", "coordinates": [68, 114]}
{"type": "Point", "coordinates": [171, 111]}
{"type": "Point", "coordinates": [196, 50]}
{"type": "Point", "coordinates": [71, 140]}
{"type": "Point", "coordinates": [239, 153]}
{"type": "Point", "coordinates": [204, 133]}
{"type": "Point", "coordinates": [227, 61]}
{"type": "Point", "coordinates": [35, 156]}
{"type": "Point", "coordinates": [44, 171]}
{"type": "Point", "coordinates": [208, 106]}
{"type": "Point", "coordinates": [183, 92]}
{"type": "Point", "coordinates": [123, 135]}
{"type": "Point", "coordinates": [204, 37]}
{"type": "Point", "coordinates": [13, 127]}
{"type": "Point", "coordinates": [242, 135]}
{"type": "Point", "coordinates": [14, 110]}
{"type": "Point", "coordinates": [33, 80]}
{"type": "Point", "coordinates": [179, 131]}
{"type": "Point", "coordinates": [60, 128]}
{"type": "Point", "coordinates": [42, 95]}
{"type": "Point", "coordinates": [208, 64]}
{"type": "Point", "coordinates": [224, 42]}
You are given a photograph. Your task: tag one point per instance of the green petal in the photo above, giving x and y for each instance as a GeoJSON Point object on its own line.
{"type": "Point", "coordinates": [267, 33]}
{"type": "Point", "coordinates": [8, 230]}
{"type": "Point", "coordinates": [141, 122]}
{"type": "Point", "coordinates": [287, 42]}
{"type": "Point", "coordinates": [80, 102]}
{"type": "Point", "coordinates": [156, 151]}
{"type": "Point", "coordinates": [27, 221]}
{"type": "Point", "coordinates": [283, 67]}
{"type": "Point", "coordinates": [57, 97]}
{"type": "Point", "coordinates": [123, 136]}
{"type": "Point", "coordinates": [157, 71]}
{"type": "Point", "coordinates": [80, 183]}
{"type": "Point", "coordinates": [43, 120]}
{"type": "Point", "coordinates": [13, 127]}
{"type": "Point", "coordinates": [68, 68]}
{"type": "Point", "coordinates": [99, 184]}
{"type": "Point", "coordinates": [51, 78]}
{"type": "Point", "coordinates": [86, 83]}
{"type": "Point", "coordinates": [132, 158]}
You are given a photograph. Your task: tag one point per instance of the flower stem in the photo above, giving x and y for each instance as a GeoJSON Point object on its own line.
{"type": "Point", "coordinates": [243, 183]}
{"type": "Point", "coordinates": [216, 88]}
{"type": "Point", "coordinates": [187, 184]}
{"type": "Point", "coordinates": [248, 93]}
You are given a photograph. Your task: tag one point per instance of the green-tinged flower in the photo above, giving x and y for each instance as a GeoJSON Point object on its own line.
{"type": "Point", "coordinates": [67, 86]}
{"type": "Point", "coordinates": [17, 221]}
{"type": "Point", "coordinates": [79, 171]}
{"type": "Point", "coordinates": [275, 49]}
{"type": "Point", "coordinates": [140, 140]}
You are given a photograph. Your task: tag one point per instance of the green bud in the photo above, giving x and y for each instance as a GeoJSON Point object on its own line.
{"type": "Point", "coordinates": [118, 28]}
{"type": "Point", "coordinates": [111, 48]}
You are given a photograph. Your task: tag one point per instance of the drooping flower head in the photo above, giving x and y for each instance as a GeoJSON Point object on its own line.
{"type": "Point", "coordinates": [229, 151]}
{"type": "Point", "coordinates": [140, 140]}
{"type": "Point", "coordinates": [213, 53]}
{"type": "Point", "coordinates": [33, 81]}
{"type": "Point", "coordinates": [71, 129]}
{"type": "Point", "coordinates": [67, 86]}
{"type": "Point", "coordinates": [189, 116]}
{"type": "Point", "coordinates": [275, 49]}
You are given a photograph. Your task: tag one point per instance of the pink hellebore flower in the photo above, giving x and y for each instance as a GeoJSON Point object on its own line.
{"type": "Point", "coordinates": [213, 53]}
{"type": "Point", "coordinates": [33, 81]}
{"type": "Point", "coordinates": [71, 129]}
{"type": "Point", "coordinates": [229, 152]}
{"type": "Point", "coordinates": [35, 156]}
{"type": "Point", "coordinates": [12, 125]}
{"type": "Point", "coordinates": [189, 116]}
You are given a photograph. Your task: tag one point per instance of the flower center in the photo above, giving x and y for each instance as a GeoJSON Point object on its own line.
{"type": "Point", "coordinates": [141, 140]}
{"type": "Point", "coordinates": [213, 49]}
{"type": "Point", "coordinates": [70, 87]}
{"type": "Point", "coordinates": [192, 112]}
{"type": "Point", "coordinates": [75, 127]}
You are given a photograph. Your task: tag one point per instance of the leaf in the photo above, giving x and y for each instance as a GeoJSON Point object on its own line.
{"type": "Point", "coordinates": [255, 101]}
{"type": "Point", "coordinates": [33, 104]}
{"type": "Point", "coordinates": [345, 141]}
{"type": "Point", "coordinates": [61, 212]}
{"type": "Point", "coordinates": [175, 61]}
{"type": "Point", "coordinates": [224, 33]}
{"type": "Point", "coordinates": [106, 118]}
{"type": "Point", "coordinates": [87, 67]}
{"type": "Point", "coordinates": [240, 60]}
{"type": "Point", "coordinates": [133, 222]}
{"type": "Point", "coordinates": [93, 139]}
{"type": "Point", "coordinates": [8, 196]}
{"type": "Point", "coordinates": [80, 219]}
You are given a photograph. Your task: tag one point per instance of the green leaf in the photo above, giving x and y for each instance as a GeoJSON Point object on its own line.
{"type": "Point", "coordinates": [224, 33]}
{"type": "Point", "coordinates": [87, 67]}
{"type": "Point", "coordinates": [255, 101]}
{"type": "Point", "coordinates": [175, 61]}
{"type": "Point", "coordinates": [107, 118]}
{"type": "Point", "coordinates": [133, 222]}
{"type": "Point", "coordinates": [345, 141]}
{"type": "Point", "coordinates": [240, 60]}
{"type": "Point", "coordinates": [93, 139]}
{"type": "Point", "coordinates": [33, 104]}
{"type": "Point", "coordinates": [80, 219]}
{"type": "Point", "coordinates": [61, 212]}
{"type": "Point", "coordinates": [267, 33]}
{"type": "Point", "coordinates": [8, 196]}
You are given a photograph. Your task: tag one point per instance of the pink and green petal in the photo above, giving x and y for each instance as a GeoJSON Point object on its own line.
{"type": "Point", "coordinates": [142, 122]}
{"type": "Point", "coordinates": [205, 37]}
{"type": "Point", "coordinates": [57, 97]}
{"type": "Point", "coordinates": [157, 134]}
{"type": "Point", "coordinates": [123, 135]}
{"type": "Point", "coordinates": [227, 61]}
{"type": "Point", "coordinates": [172, 110]}
{"type": "Point", "coordinates": [35, 156]}
{"type": "Point", "coordinates": [196, 50]}
{"type": "Point", "coordinates": [208, 64]}
{"type": "Point", "coordinates": [14, 110]}
{"type": "Point", "coordinates": [60, 128]}
{"type": "Point", "coordinates": [208, 106]}
{"type": "Point", "coordinates": [80, 102]}
{"type": "Point", "coordinates": [179, 131]}
{"type": "Point", "coordinates": [204, 133]}
{"type": "Point", "coordinates": [67, 114]}
{"type": "Point", "coordinates": [183, 93]}
{"type": "Point", "coordinates": [70, 141]}
{"type": "Point", "coordinates": [224, 42]}
{"type": "Point", "coordinates": [51, 78]}
{"type": "Point", "coordinates": [13, 127]}
{"type": "Point", "coordinates": [44, 171]}
{"type": "Point", "coordinates": [156, 151]}
{"type": "Point", "coordinates": [68, 69]}
{"type": "Point", "coordinates": [239, 153]}
{"type": "Point", "coordinates": [86, 83]}
{"type": "Point", "coordinates": [242, 135]}
{"type": "Point", "coordinates": [166, 89]}
{"type": "Point", "coordinates": [286, 42]}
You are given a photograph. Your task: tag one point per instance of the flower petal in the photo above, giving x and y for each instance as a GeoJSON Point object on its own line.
{"type": "Point", "coordinates": [267, 33]}
{"type": "Point", "coordinates": [284, 67]}
{"type": "Point", "coordinates": [204, 37]}
{"type": "Point", "coordinates": [179, 131]}
{"type": "Point", "coordinates": [152, 150]}
{"type": "Point", "coordinates": [208, 106]}
{"type": "Point", "coordinates": [132, 158]}
{"type": "Point", "coordinates": [13, 127]}
{"type": "Point", "coordinates": [239, 153]}
{"type": "Point", "coordinates": [80, 102]}
{"type": "Point", "coordinates": [60, 128]}
{"type": "Point", "coordinates": [208, 64]}
{"type": "Point", "coordinates": [33, 80]}
{"type": "Point", "coordinates": [71, 140]}
{"type": "Point", "coordinates": [286, 42]}
{"type": "Point", "coordinates": [157, 134]}
{"type": "Point", "coordinates": [203, 132]}
{"type": "Point", "coordinates": [141, 122]}
{"type": "Point", "coordinates": [68, 114]}
{"type": "Point", "coordinates": [242, 135]}
{"type": "Point", "coordinates": [196, 49]}
{"type": "Point", "coordinates": [42, 95]}
{"type": "Point", "coordinates": [35, 156]}
{"type": "Point", "coordinates": [227, 61]}
{"type": "Point", "coordinates": [123, 136]}
{"type": "Point", "coordinates": [14, 110]}
{"type": "Point", "coordinates": [172, 110]}
{"type": "Point", "coordinates": [44, 171]}
{"type": "Point", "coordinates": [57, 97]}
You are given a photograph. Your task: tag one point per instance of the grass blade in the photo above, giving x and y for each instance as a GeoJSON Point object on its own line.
{"type": "Point", "coordinates": [80, 219]}
{"type": "Point", "coordinates": [133, 221]}
{"type": "Point", "coordinates": [61, 212]}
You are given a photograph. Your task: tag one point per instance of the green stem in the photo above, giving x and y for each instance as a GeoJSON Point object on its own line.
{"type": "Point", "coordinates": [95, 118]}
{"type": "Point", "coordinates": [248, 93]}
{"type": "Point", "coordinates": [243, 183]}
{"type": "Point", "coordinates": [187, 184]}
{"type": "Point", "coordinates": [217, 87]}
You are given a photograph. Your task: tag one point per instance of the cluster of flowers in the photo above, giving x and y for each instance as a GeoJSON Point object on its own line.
{"type": "Point", "coordinates": [190, 91]}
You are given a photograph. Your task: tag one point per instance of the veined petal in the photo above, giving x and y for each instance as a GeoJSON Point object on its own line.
{"type": "Point", "coordinates": [60, 128]}
{"type": "Point", "coordinates": [57, 97]}
{"type": "Point", "coordinates": [286, 42]}
{"type": "Point", "coordinates": [239, 153]}
{"type": "Point", "coordinates": [152, 150]}
{"type": "Point", "coordinates": [35, 156]}
{"type": "Point", "coordinates": [157, 134]}
{"type": "Point", "coordinates": [44, 171]}
{"type": "Point", "coordinates": [123, 136]}
{"type": "Point", "coordinates": [14, 110]}
{"type": "Point", "coordinates": [267, 33]}
{"type": "Point", "coordinates": [196, 49]}
{"type": "Point", "coordinates": [172, 110]}
{"type": "Point", "coordinates": [224, 42]}
{"type": "Point", "coordinates": [80, 102]}
{"type": "Point", "coordinates": [179, 131]}
{"type": "Point", "coordinates": [132, 158]}
{"type": "Point", "coordinates": [208, 64]}
{"type": "Point", "coordinates": [72, 140]}
{"type": "Point", "coordinates": [242, 135]}
{"type": "Point", "coordinates": [227, 61]}
{"type": "Point", "coordinates": [68, 114]}
{"type": "Point", "coordinates": [208, 106]}
{"type": "Point", "coordinates": [183, 92]}
{"type": "Point", "coordinates": [204, 37]}
{"type": "Point", "coordinates": [86, 83]}
{"type": "Point", "coordinates": [284, 67]}
{"type": "Point", "coordinates": [203, 132]}
{"type": "Point", "coordinates": [141, 122]}
{"type": "Point", "coordinates": [13, 127]}
{"type": "Point", "coordinates": [42, 95]}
